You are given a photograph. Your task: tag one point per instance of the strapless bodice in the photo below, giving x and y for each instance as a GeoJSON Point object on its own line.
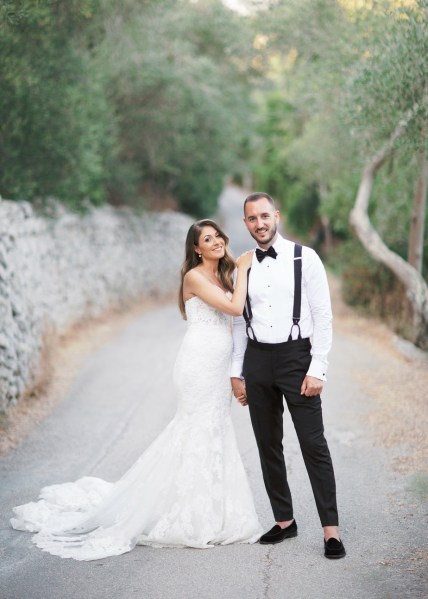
{"type": "Point", "coordinates": [198, 312]}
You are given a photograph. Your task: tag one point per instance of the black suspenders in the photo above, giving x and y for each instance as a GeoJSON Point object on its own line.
{"type": "Point", "coordinates": [297, 305]}
{"type": "Point", "coordinates": [248, 313]}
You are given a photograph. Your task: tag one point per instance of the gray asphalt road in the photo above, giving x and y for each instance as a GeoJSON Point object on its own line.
{"type": "Point", "coordinates": [120, 401]}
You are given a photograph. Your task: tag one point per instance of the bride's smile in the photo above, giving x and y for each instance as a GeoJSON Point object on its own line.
{"type": "Point", "coordinates": [211, 244]}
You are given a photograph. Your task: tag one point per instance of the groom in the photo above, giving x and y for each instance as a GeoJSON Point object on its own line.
{"type": "Point", "coordinates": [288, 302]}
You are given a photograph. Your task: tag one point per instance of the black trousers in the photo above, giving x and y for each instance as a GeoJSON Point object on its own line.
{"type": "Point", "coordinates": [271, 372]}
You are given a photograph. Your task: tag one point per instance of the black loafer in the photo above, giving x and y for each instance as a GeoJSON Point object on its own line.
{"type": "Point", "coordinates": [278, 534]}
{"type": "Point", "coordinates": [334, 549]}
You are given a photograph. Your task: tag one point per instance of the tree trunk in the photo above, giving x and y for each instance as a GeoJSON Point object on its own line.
{"type": "Point", "coordinates": [325, 222]}
{"type": "Point", "coordinates": [416, 287]}
{"type": "Point", "coordinates": [417, 223]}
{"type": "Point", "coordinates": [328, 237]}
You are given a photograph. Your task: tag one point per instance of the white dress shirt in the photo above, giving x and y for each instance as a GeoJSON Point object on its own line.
{"type": "Point", "coordinates": [271, 292]}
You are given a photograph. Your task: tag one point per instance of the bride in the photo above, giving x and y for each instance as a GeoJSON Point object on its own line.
{"type": "Point", "coordinates": [189, 488]}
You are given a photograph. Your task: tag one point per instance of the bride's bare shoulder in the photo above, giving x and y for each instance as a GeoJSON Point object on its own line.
{"type": "Point", "coordinates": [191, 283]}
{"type": "Point", "coordinates": [193, 275]}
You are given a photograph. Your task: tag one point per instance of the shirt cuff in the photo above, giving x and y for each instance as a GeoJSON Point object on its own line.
{"type": "Point", "coordinates": [236, 369]}
{"type": "Point", "coordinates": [317, 369]}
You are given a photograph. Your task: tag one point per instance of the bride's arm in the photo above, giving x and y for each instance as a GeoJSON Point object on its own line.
{"type": "Point", "coordinates": [197, 284]}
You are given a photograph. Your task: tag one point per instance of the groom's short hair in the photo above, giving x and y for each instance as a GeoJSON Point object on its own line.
{"type": "Point", "coordinates": [258, 195]}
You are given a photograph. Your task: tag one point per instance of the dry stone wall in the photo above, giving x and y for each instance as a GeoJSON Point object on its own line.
{"type": "Point", "coordinates": [56, 271]}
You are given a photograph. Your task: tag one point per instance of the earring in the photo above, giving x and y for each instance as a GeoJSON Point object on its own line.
{"type": "Point", "coordinates": [200, 256]}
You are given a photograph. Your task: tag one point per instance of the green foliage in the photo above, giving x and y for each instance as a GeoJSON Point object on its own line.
{"type": "Point", "coordinates": [391, 79]}
{"type": "Point", "coordinates": [339, 83]}
{"type": "Point", "coordinates": [338, 202]}
{"type": "Point", "coordinates": [302, 207]}
{"type": "Point", "coordinates": [179, 89]}
{"type": "Point", "coordinates": [336, 99]}
{"type": "Point", "coordinates": [305, 151]}
{"type": "Point", "coordinates": [55, 123]}
{"type": "Point", "coordinates": [101, 98]}
{"type": "Point", "coordinates": [278, 126]}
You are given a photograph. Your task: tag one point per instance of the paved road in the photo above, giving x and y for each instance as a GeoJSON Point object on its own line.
{"type": "Point", "coordinates": [119, 402]}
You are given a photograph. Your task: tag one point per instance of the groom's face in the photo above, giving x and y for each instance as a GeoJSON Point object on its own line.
{"type": "Point", "coordinates": [261, 220]}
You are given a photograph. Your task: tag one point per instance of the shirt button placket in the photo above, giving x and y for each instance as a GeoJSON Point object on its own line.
{"type": "Point", "coordinates": [270, 305]}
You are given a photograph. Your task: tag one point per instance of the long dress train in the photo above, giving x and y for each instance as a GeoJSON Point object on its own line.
{"type": "Point", "coordinates": [188, 489]}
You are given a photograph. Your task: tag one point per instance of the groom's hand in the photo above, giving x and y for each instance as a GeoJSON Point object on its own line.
{"type": "Point", "coordinates": [311, 386]}
{"type": "Point", "coordinates": [239, 391]}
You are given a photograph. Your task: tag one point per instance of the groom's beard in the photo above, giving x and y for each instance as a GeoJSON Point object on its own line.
{"type": "Point", "coordinates": [268, 239]}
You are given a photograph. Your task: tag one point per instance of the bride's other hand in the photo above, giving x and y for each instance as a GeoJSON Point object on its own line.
{"type": "Point", "coordinates": [245, 260]}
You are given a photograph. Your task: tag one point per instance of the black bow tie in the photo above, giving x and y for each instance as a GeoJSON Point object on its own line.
{"type": "Point", "coordinates": [261, 255]}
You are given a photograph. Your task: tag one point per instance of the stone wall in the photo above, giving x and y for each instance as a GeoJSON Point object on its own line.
{"type": "Point", "coordinates": [57, 271]}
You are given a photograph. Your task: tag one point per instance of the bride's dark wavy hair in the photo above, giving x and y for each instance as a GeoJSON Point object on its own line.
{"type": "Point", "coordinates": [226, 265]}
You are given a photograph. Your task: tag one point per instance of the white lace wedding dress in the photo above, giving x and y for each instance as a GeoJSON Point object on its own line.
{"type": "Point", "coordinates": [188, 489]}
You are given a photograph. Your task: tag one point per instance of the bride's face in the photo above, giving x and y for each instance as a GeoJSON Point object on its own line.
{"type": "Point", "coordinates": [211, 244]}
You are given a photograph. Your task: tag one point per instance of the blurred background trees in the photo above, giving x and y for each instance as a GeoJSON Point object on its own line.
{"type": "Point", "coordinates": [55, 125]}
{"type": "Point", "coordinates": [345, 75]}
{"type": "Point", "coordinates": [122, 102]}
{"type": "Point", "coordinates": [153, 103]}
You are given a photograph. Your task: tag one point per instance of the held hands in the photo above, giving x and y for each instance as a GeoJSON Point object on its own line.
{"type": "Point", "coordinates": [311, 386]}
{"type": "Point", "coordinates": [239, 391]}
{"type": "Point", "coordinates": [244, 261]}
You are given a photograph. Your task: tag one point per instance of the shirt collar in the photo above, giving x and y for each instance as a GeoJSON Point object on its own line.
{"type": "Point", "coordinates": [278, 245]}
